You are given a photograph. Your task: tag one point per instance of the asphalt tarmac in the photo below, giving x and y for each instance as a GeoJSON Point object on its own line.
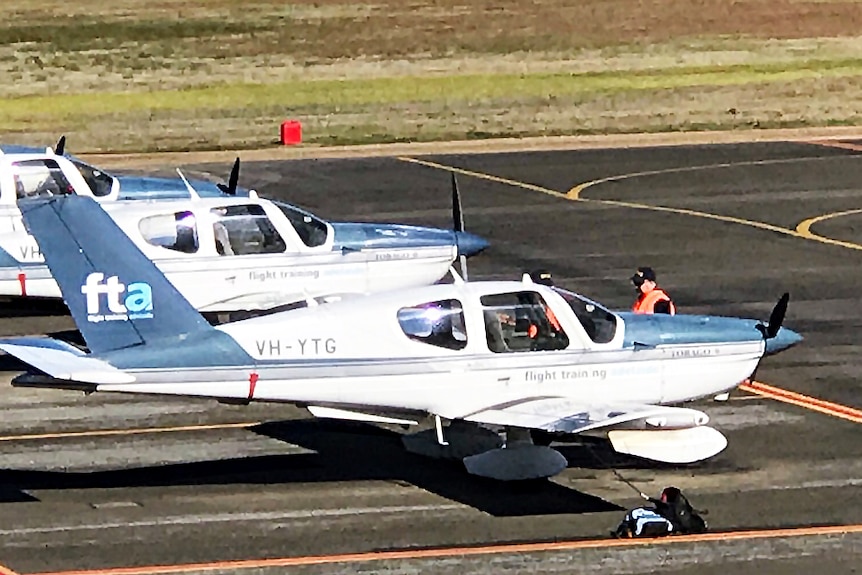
{"type": "Point", "coordinates": [266, 489]}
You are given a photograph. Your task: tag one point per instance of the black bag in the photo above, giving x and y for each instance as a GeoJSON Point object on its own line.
{"type": "Point", "coordinates": [672, 515]}
{"type": "Point", "coordinates": [675, 507]}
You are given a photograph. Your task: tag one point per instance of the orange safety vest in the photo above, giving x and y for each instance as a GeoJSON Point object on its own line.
{"type": "Point", "coordinates": [646, 302]}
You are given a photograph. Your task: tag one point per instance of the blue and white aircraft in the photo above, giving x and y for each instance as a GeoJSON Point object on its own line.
{"type": "Point", "coordinates": [498, 359]}
{"type": "Point", "coordinates": [229, 254]}
{"type": "Point", "coordinates": [107, 186]}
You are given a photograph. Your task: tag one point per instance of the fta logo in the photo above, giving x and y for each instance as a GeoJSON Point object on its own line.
{"type": "Point", "coordinates": [134, 301]}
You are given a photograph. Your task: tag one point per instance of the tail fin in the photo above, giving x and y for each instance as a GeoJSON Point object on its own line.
{"type": "Point", "coordinates": [117, 296]}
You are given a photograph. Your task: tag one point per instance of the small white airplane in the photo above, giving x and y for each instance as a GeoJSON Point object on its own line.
{"type": "Point", "coordinates": [106, 186]}
{"type": "Point", "coordinates": [230, 253]}
{"type": "Point", "coordinates": [497, 359]}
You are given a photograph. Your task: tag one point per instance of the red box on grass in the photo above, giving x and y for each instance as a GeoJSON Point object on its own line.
{"type": "Point", "coordinates": [291, 132]}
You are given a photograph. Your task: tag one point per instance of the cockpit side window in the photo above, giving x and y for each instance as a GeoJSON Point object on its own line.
{"type": "Point", "coordinates": [310, 229]}
{"type": "Point", "coordinates": [40, 178]}
{"type": "Point", "coordinates": [599, 323]}
{"type": "Point", "coordinates": [176, 231]}
{"type": "Point", "coordinates": [439, 323]}
{"type": "Point", "coordinates": [245, 229]}
{"type": "Point", "coordinates": [521, 321]}
{"type": "Point", "coordinates": [99, 182]}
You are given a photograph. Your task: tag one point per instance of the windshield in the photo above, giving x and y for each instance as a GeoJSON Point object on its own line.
{"type": "Point", "coordinates": [98, 181]}
{"type": "Point", "coordinates": [599, 323]}
{"type": "Point", "coordinates": [311, 229]}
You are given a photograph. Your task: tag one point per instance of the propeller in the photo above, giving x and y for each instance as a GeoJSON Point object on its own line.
{"type": "Point", "coordinates": [60, 148]}
{"type": "Point", "coordinates": [776, 318]}
{"type": "Point", "coordinates": [770, 330]}
{"type": "Point", "coordinates": [233, 179]}
{"type": "Point", "coordinates": [458, 221]}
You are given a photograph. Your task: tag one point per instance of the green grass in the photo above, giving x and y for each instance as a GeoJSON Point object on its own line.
{"type": "Point", "coordinates": [351, 95]}
{"type": "Point", "coordinates": [182, 74]}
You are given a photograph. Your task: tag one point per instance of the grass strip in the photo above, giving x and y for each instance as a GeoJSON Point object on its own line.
{"type": "Point", "coordinates": [341, 94]}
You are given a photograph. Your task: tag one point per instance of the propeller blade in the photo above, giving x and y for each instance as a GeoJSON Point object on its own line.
{"type": "Point", "coordinates": [458, 221]}
{"type": "Point", "coordinates": [60, 148]}
{"type": "Point", "coordinates": [233, 180]}
{"type": "Point", "coordinates": [457, 212]}
{"type": "Point", "coordinates": [776, 318]}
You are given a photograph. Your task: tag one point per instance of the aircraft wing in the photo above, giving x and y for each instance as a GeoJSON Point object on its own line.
{"type": "Point", "coordinates": [564, 415]}
{"type": "Point", "coordinates": [660, 433]}
{"type": "Point", "coordinates": [61, 360]}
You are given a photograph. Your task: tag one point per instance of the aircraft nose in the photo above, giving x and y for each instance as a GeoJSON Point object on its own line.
{"type": "Point", "coordinates": [784, 339]}
{"type": "Point", "coordinates": [470, 244]}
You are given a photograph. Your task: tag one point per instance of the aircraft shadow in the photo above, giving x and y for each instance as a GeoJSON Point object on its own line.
{"type": "Point", "coordinates": [344, 451]}
{"type": "Point", "coordinates": [32, 307]}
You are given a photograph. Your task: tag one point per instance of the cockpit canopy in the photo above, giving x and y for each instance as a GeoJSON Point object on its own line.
{"type": "Point", "coordinates": [519, 321]}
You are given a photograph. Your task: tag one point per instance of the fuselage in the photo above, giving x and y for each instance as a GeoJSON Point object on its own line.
{"type": "Point", "coordinates": [226, 253]}
{"type": "Point", "coordinates": [377, 353]}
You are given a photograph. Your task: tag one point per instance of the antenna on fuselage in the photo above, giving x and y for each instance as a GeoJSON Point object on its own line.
{"type": "Point", "coordinates": [310, 301]}
{"type": "Point", "coordinates": [456, 278]}
{"type": "Point", "coordinates": [192, 192]}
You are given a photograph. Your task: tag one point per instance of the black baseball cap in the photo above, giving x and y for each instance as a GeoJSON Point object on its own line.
{"type": "Point", "coordinates": [542, 277]}
{"type": "Point", "coordinates": [642, 275]}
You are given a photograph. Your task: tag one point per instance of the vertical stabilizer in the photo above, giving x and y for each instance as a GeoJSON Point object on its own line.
{"type": "Point", "coordinates": [117, 296]}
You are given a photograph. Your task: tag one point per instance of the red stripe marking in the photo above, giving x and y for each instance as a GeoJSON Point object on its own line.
{"type": "Point", "coordinates": [793, 398]}
{"type": "Point", "coordinates": [252, 384]}
{"type": "Point", "coordinates": [22, 279]}
{"type": "Point", "coordinates": [465, 551]}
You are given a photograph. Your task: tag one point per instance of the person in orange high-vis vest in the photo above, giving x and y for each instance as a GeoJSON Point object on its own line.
{"type": "Point", "coordinates": [651, 298]}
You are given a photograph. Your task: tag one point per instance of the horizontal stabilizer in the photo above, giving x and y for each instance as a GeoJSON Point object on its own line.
{"type": "Point", "coordinates": [332, 413]}
{"type": "Point", "coordinates": [670, 446]}
{"type": "Point", "coordinates": [63, 361]}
